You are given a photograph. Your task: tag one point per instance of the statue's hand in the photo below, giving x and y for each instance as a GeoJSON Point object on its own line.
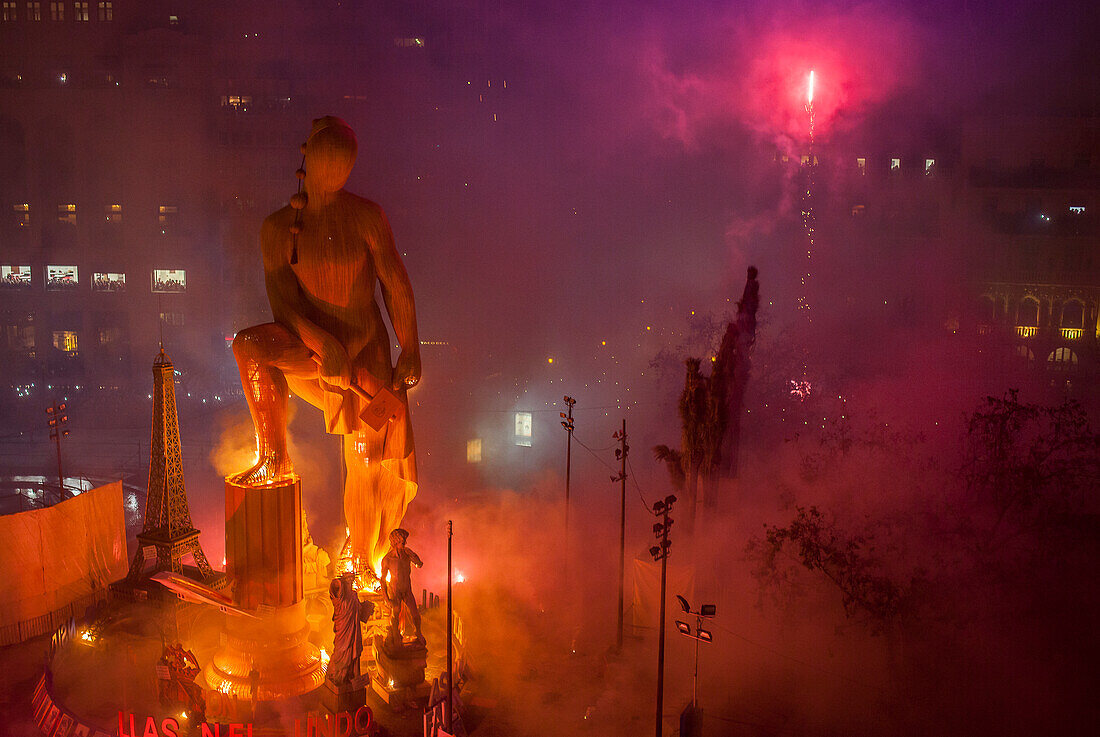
{"type": "Point", "coordinates": [406, 374]}
{"type": "Point", "coordinates": [335, 364]}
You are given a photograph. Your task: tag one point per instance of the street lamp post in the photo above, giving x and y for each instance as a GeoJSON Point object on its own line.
{"type": "Point", "coordinates": [58, 420]}
{"type": "Point", "coordinates": [448, 717]}
{"type": "Point", "coordinates": [699, 635]}
{"type": "Point", "coordinates": [621, 453]}
{"type": "Point", "coordinates": [660, 552]}
{"type": "Point", "coordinates": [567, 423]}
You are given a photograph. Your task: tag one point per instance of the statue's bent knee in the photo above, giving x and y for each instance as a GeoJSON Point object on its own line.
{"type": "Point", "coordinates": [258, 341]}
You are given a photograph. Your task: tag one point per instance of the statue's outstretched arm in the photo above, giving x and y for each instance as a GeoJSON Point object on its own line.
{"type": "Point", "coordinates": [398, 296]}
{"type": "Point", "coordinates": [414, 558]}
{"type": "Point", "coordinates": [285, 297]}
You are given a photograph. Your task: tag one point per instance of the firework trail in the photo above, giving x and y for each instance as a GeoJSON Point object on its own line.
{"type": "Point", "coordinates": [800, 389]}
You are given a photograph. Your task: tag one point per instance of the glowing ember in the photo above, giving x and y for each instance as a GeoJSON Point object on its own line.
{"type": "Point", "coordinates": [810, 94]}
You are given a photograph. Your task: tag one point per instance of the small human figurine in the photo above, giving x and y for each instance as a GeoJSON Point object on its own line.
{"type": "Point", "coordinates": [180, 688]}
{"type": "Point", "coordinates": [347, 613]}
{"type": "Point", "coordinates": [397, 576]}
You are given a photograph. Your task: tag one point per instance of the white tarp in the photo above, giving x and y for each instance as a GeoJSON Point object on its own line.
{"type": "Point", "coordinates": [645, 610]}
{"type": "Point", "coordinates": [54, 556]}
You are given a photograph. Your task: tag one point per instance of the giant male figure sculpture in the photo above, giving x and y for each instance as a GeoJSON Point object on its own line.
{"type": "Point", "coordinates": [322, 258]}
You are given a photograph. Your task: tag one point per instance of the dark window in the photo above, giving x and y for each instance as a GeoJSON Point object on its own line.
{"type": "Point", "coordinates": [1028, 314]}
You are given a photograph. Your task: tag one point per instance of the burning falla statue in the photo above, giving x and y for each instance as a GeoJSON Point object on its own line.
{"type": "Point", "coordinates": [328, 344]}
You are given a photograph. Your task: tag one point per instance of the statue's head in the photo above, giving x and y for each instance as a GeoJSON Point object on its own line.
{"type": "Point", "coordinates": [398, 538]}
{"type": "Point", "coordinates": [330, 155]}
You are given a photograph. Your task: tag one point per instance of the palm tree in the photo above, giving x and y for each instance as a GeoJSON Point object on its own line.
{"type": "Point", "coordinates": [710, 410]}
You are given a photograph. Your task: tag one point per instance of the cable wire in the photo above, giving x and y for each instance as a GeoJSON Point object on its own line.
{"type": "Point", "coordinates": [634, 479]}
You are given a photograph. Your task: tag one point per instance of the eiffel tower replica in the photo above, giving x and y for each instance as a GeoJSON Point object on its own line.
{"type": "Point", "coordinates": [168, 529]}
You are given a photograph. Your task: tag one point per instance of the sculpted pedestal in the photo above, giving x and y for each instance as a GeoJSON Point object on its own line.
{"type": "Point", "coordinates": [263, 550]}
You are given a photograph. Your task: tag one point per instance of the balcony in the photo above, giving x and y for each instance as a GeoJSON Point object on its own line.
{"type": "Point", "coordinates": [1026, 331]}
{"type": "Point", "coordinates": [1072, 333]}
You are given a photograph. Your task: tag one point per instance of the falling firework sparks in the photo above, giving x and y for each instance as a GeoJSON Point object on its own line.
{"type": "Point", "coordinates": [808, 204]}
{"type": "Point", "coordinates": [801, 388]}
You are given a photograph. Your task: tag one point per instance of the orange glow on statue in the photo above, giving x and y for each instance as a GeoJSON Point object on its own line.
{"type": "Point", "coordinates": [328, 343]}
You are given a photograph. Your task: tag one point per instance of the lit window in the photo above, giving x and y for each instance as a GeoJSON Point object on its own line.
{"type": "Point", "coordinates": [113, 213]}
{"type": "Point", "coordinates": [166, 214]}
{"type": "Point", "coordinates": [60, 278]}
{"type": "Point", "coordinates": [173, 20]}
{"type": "Point", "coordinates": [929, 167]}
{"type": "Point", "coordinates": [895, 165]}
{"type": "Point", "coordinates": [523, 429]}
{"type": "Point", "coordinates": [65, 341]}
{"type": "Point", "coordinates": [34, 11]}
{"type": "Point", "coordinates": [22, 214]}
{"type": "Point", "coordinates": [15, 277]}
{"type": "Point", "coordinates": [861, 166]}
{"type": "Point", "coordinates": [1062, 359]}
{"type": "Point", "coordinates": [169, 280]}
{"type": "Point", "coordinates": [66, 213]}
{"type": "Point", "coordinates": [1025, 353]}
{"type": "Point", "coordinates": [57, 11]}
{"type": "Point", "coordinates": [239, 103]}
{"type": "Point", "coordinates": [858, 211]}
{"type": "Point", "coordinates": [108, 281]}
{"type": "Point", "coordinates": [106, 11]}
{"type": "Point", "coordinates": [473, 450]}
{"type": "Point", "coordinates": [174, 319]}
{"type": "Point", "coordinates": [8, 11]}
{"type": "Point", "coordinates": [81, 9]}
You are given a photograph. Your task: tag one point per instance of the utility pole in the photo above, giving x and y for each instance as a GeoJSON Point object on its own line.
{"type": "Point", "coordinates": [620, 453]}
{"type": "Point", "coordinates": [660, 552]}
{"type": "Point", "coordinates": [57, 421]}
{"type": "Point", "coordinates": [447, 716]}
{"type": "Point", "coordinates": [567, 423]}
